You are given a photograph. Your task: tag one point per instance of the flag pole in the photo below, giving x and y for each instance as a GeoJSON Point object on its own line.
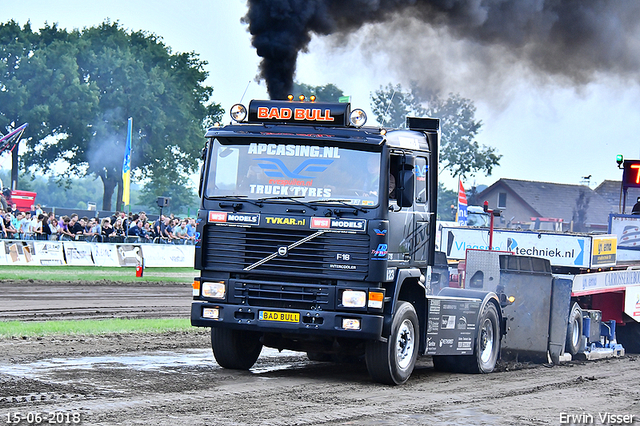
{"type": "Point", "coordinates": [126, 167]}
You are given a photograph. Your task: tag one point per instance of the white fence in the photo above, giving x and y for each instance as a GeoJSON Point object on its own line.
{"type": "Point", "coordinates": [82, 253]}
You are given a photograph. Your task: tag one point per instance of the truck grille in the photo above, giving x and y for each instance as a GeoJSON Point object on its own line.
{"type": "Point", "coordinates": [235, 248]}
{"type": "Point", "coordinates": [288, 296]}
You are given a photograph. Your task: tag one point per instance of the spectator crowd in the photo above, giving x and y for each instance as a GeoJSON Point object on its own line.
{"type": "Point", "coordinates": [119, 228]}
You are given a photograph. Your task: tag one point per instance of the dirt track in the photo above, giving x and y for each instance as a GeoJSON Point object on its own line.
{"type": "Point", "coordinates": [172, 379]}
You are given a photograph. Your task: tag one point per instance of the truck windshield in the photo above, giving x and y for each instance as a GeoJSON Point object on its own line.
{"type": "Point", "coordinates": [293, 168]}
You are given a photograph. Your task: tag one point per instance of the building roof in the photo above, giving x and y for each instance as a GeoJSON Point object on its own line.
{"type": "Point", "coordinates": [557, 200]}
{"type": "Point", "coordinates": [611, 190]}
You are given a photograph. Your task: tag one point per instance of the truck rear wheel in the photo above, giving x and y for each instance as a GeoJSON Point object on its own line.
{"type": "Point", "coordinates": [487, 347]}
{"type": "Point", "coordinates": [574, 342]}
{"type": "Point", "coordinates": [392, 362]}
{"type": "Point", "coordinates": [235, 349]}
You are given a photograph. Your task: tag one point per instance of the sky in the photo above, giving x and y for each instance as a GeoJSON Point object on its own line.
{"type": "Point", "coordinates": [545, 130]}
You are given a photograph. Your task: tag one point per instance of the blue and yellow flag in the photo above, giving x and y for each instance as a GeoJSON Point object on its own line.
{"type": "Point", "coordinates": [126, 165]}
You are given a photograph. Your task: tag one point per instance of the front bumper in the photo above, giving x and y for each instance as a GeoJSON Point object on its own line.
{"type": "Point", "coordinates": [311, 323]}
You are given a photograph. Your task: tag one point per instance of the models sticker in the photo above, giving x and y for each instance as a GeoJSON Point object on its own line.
{"type": "Point", "coordinates": [359, 225]}
{"type": "Point", "coordinates": [234, 218]}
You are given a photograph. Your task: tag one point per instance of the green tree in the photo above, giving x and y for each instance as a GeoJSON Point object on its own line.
{"type": "Point", "coordinates": [183, 196]}
{"type": "Point", "coordinates": [460, 153]}
{"type": "Point", "coordinates": [40, 84]}
{"type": "Point", "coordinates": [391, 106]}
{"type": "Point", "coordinates": [81, 87]}
{"type": "Point", "coordinates": [326, 93]}
{"type": "Point", "coordinates": [446, 199]}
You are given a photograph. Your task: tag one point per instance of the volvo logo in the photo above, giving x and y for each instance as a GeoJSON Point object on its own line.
{"type": "Point", "coordinates": [283, 251]}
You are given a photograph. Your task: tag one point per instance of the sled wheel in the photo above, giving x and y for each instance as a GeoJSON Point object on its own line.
{"type": "Point", "coordinates": [574, 342]}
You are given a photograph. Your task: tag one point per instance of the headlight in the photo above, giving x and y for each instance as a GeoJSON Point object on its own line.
{"type": "Point", "coordinates": [353, 299]}
{"type": "Point", "coordinates": [358, 117]}
{"type": "Point", "coordinates": [214, 290]}
{"type": "Point", "coordinates": [238, 112]}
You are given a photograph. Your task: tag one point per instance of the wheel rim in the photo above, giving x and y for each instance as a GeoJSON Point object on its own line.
{"type": "Point", "coordinates": [486, 341]}
{"type": "Point", "coordinates": [575, 334]}
{"type": "Point", "coordinates": [405, 344]}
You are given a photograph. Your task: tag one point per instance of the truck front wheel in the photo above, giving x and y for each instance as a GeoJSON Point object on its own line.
{"type": "Point", "coordinates": [235, 349]}
{"type": "Point", "coordinates": [392, 362]}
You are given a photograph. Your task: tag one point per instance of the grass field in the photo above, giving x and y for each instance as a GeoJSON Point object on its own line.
{"type": "Point", "coordinates": [92, 327]}
{"type": "Point", "coordinates": [95, 273]}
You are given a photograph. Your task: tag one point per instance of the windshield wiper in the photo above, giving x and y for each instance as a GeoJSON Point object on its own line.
{"type": "Point", "coordinates": [344, 203]}
{"type": "Point", "coordinates": [239, 198]}
{"type": "Point", "coordinates": [292, 198]}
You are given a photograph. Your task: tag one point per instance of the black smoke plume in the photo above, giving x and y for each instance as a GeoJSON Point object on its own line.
{"type": "Point", "coordinates": [572, 39]}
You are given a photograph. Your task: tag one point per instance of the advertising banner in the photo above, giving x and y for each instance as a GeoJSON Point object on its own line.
{"type": "Point", "coordinates": [560, 249]}
{"type": "Point", "coordinates": [104, 254]}
{"type": "Point", "coordinates": [603, 250]}
{"type": "Point", "coordinates": [627, 229]}
{"type": "Point", "coordinates": [77, 253]}
{"type": "Point", "coordinates": [30, 252]}
{"type": "Point", "coordinates": [632, 302]}
{"type": "Point", "coordinates": [49, 252]}
{"type": "Point", "coordinates": [168, 255]}
{"type": "Point", "coordinates": [605, 281]}
{"type": "Point", "coordinates": [82, 253]}
{"type": "Point", "coordinates": [19, 253]}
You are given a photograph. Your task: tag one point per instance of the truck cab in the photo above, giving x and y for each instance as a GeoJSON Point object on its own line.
{"type": "Point", "coordinates": [317, 235]}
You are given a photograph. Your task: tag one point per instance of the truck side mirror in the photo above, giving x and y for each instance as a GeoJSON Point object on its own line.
{"type": "Point", "coordinates": [404, 188]}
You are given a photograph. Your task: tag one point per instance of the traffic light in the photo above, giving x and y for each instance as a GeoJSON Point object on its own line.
{"type": "Point", "coordinates": [619, 160]}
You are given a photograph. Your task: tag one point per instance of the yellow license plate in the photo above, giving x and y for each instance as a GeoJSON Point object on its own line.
{"type": "Point", "coordinates": [279, 316]}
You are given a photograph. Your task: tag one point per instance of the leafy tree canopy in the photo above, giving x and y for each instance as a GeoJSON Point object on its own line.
{"type": "Point", "coordinates": [326, 93]}
{"type": "Point", "coordinates": [460, 153]}
{"type": "Point", "coordinates": [77, 89]}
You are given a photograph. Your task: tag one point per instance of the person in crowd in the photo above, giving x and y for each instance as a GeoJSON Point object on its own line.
{"type": "Point", "coordinates": [133, 230]}
{"type": "Point", "coordinates": [148, 229]}
{"type": "Point", "coordinates": [36, 228]}
{"type": "Point", "coordinates": [115, 217]}
{"type": "Point", "coordinates": [118, 231]}
{"type": "Point", "coordinates": [53, 226]}
{"type": "Point", "coordinates": [45, 229]}
{"type": "Point", "coordinates": [180, 231]}
{"type": "Point", "coordinates": [76, 227]}
{"type": "Point", "coordinates": [145, 237]}
{"type": "Point", "coordinates": [3, 229]}
{"type": "Point", "coordinates": [166, 230]}
{"type": "Point", "coordinates": [9, 227]}
{"type": "Point", "coordinates": [636, 207]}
{"type": "Point", "coordinates": [64, 229]}
{"type": "Point", "coordinates": [38, 210]}
{"type": "Point", "coordinates": [93, 231]}
{"type": "Point", "coordinates": [191, 230]}
{"type": "Point", "coordinates": [137, 230]}
{"type": "Point", "coordinates": [25, 224]}
{"type": "Point", "coordinates": [107, 230]}
{"type": "Point", "coordinates": [15, 222]}
{"type": "Point", "coordinates": [157, 226]}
